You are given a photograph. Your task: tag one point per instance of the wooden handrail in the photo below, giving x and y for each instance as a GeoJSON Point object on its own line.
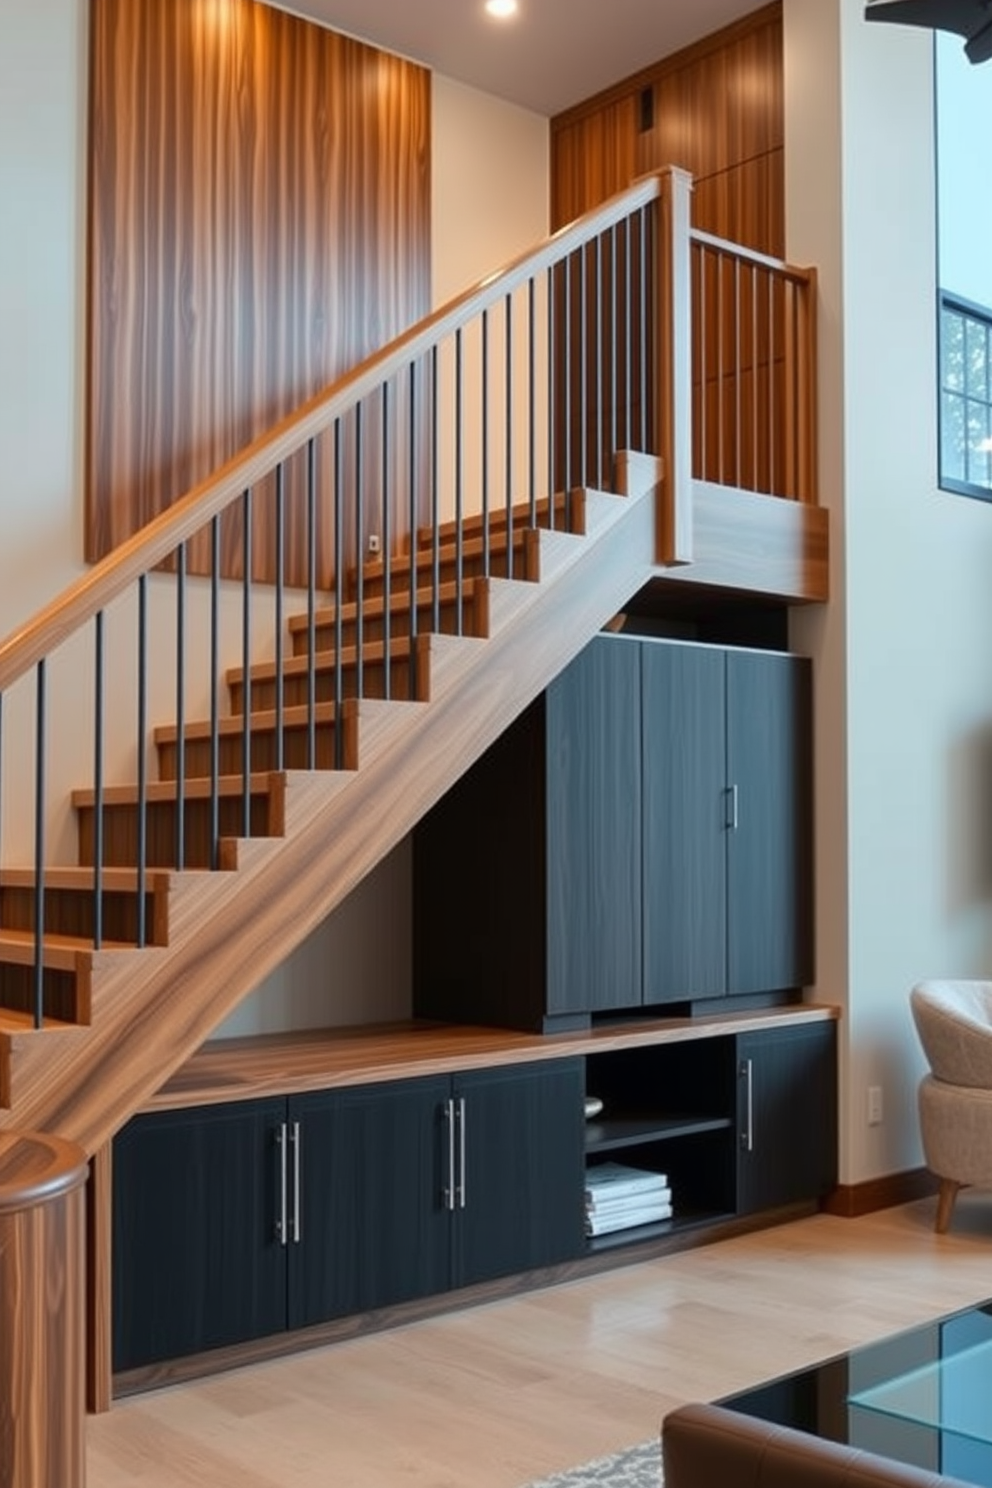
{"type": "Point", "coordinates": [23, 648]}
{"type": "Point", "coordinates": [751, 256]}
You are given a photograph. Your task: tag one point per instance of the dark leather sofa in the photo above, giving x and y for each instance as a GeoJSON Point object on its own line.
{"type": "Point", "coordinates": [707, 1446]}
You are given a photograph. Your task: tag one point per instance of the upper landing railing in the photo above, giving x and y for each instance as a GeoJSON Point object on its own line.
{"type": "Point", "coordinates": [625, 330]}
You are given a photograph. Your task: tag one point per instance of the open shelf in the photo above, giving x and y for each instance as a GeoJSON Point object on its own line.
{"type": "Point", "coordinates": [635, 1233]}
{"type": "Point", "coordinates": [628, 1131]}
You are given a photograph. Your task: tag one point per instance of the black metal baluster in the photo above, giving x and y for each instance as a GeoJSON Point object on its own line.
{"type": "Point", "coordinates": [738, 470]}
{"type": "Point", "coordinates": [567, 401]}
{"type": "Point", "coordinates": [485, 446]}
{"type": "Point", "coordinates": [98, 690]}
{"type": "Point", "coordinates": [644, 442]}
{"type": "Point", "coordinates": [598, 361]}
{"type": "Point", "coordinates": [509, 434]}
{"type": "Point", "coordinates": [280, 515]}
{"type": "Point", "coordinates": [359, 559]}
{"type": "Point", "coordinates": [215, 693]}
{"type": "Point", "coordinates": [435, 532]}
{"type": "Point", "coordinates": [339, 573]}
{"type": "Point", "coordinates": [755, 421]}
{"type": "Point", "coordinates": [614, 352]}
{"type": "Point", "coordinates": [532, 399]}
{"type": "Point", "coordinates": [39, 849]}
{"type": "Point", "coordinates": [459, 391]}
{"type": "Point", "coordinates": [583, 371]}
{"type": "Point", "coordinates": [552, 402]}
{"type": "Point", "coordinates": [312, 604]}
{"type": "Point", "coordinates": [385, 549]}
{"type": "Point", "coordinates": [628, 335]}
{"type": "Point", "coordinates": [721, 473]}
{"type": "Point", "coordinates": [771, 384]}
{"type": "Point", "coordinates": [181, 707]}
{"type": "Point", "coordinates": [142, 756]}
{"type": "Point", "coordinates": [412, 496]}
{"type": "Point", "coordinates": [246, 514]}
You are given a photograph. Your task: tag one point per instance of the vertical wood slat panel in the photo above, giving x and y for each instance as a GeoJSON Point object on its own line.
{"type": "Point", "coordinates": [718, 112]}
{"type": "Point", "coordinates": [259, 222]}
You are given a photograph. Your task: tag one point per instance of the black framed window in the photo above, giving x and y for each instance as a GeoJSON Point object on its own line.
{"type": "Point", "coordinates": [965, 397]}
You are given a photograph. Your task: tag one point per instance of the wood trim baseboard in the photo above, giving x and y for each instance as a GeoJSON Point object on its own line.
{"type": "Point", "coordinates": [852, 1200]}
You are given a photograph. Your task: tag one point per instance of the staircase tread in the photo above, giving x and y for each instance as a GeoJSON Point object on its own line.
{"type": "Point", "coordinates": [59, 952]}
{"type": "Point", "coordinates": [297, 716]}
{"type": "Point", "coordinates": [472, 547]}
{"type": "Point", "coordinates": [374, 605]}
{"type": "Point", "coordinates": [296, 666]}
{"type": "Point", "coordinates": [13, 1021]}
{"type": "Point", "coordinates": [194, 788]}
{"type": "Point", "coordinates": [115, 880]}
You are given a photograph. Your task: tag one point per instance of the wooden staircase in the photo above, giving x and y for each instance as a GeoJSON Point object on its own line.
{"type": "Point", "coordinates": [119, 1019]}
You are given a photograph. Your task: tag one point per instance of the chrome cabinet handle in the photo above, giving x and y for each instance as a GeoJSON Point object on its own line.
{"type": "Point", "coordinates": [449, 1187]}
{"type": "Point", "coordinates": [282, 1223]}
{"type": "Point", "coordinates": [461, 1152]}
{"type": "Point", "coordinates": [297, 1140]}
{"type": "Point", "coordinates": [747, 1135]}
{"type": "Point", "coordinates": [732, 818]}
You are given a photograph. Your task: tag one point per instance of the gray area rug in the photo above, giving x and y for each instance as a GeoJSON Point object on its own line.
{"type": "Point", "coordinates": [635, 1467]}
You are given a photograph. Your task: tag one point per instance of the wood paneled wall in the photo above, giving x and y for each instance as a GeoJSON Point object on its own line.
{"type": "Point", "coordinates": [259, 222]}
{"type": "Point", "coordinates": [716, 109]}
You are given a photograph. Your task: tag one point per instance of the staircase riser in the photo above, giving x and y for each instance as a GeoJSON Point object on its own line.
{"type": "Point", "coordinates": [374, 627]}
{"type": "Point", "coordinates": [296, 753]}
{"type": "Point", "coordinates": [374, 585]}
{"type": "Point", "coordinates": [121, 832]}
{"type": "Point", "coordinates": [72, 912]}
{"type": "Point", "coordinates": [295, 688]}
{"type": "Point", "coordinates": [59, 992]}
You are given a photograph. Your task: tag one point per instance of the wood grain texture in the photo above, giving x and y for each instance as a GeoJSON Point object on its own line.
{"type": "Point", "coordinates": [243, 1068]}
{"type": "Point", "coordinates": [99, 1235]}
{"type": "Point", "coordinates": [259, 223]}
{"type": "Point", "coordinates": [42, 1326]}
{"type": "Point", "coordinates": [717, 112]}
{"type": "Point", "coordinates": [539, 1382]}
{"type": "Point", "coordinates": [336, 829]}
{"type": "Point", "coordinates": [749, 543]}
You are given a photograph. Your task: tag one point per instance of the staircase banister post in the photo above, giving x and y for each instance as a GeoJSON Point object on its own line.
{"type": "Point", "coordinates": [673, 364]}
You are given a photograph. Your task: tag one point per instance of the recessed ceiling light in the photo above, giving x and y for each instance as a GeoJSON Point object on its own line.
{"type": "Point", "coordinates": [502, 9]}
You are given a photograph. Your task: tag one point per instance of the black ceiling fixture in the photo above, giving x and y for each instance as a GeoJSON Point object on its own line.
{"type": "Point", "coordinates": [971, 19]}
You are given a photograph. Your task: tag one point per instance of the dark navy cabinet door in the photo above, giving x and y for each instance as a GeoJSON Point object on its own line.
{"type": "Point", "coordinates": [197, 1261]}
{"type": "Point", "coordinates": [521, 1180]}
{"type": "Point", "coordinates": [786, 1115]}
{"type": "Point", "coordinates": [372, 1226]}
{"type": "Point", "coordinates": [685, 822]}
{"type": "Point", "coordinates": [769, 872]}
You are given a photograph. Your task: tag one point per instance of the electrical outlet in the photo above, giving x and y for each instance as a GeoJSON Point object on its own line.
{"type": "Point", "coordinates": [875, 1105]}
{"type": "Point", "coordinates": [373, 542]}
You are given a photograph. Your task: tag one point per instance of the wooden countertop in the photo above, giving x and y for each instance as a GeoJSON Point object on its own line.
{"type": "Point", "coordinates": [289, 1063]}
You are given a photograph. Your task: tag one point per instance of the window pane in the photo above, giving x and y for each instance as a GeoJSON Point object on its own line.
{"type": "Point", "coordinates": [976, 359]}
{"type": "Point", "coordinates": [952, 463]}
{"type": "Point", "coordinates": [952, 327]}
{"type": "Point", "coordinates": [979, 445]}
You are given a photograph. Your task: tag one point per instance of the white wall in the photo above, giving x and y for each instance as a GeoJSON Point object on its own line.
{"type": "Point", "coordinates": [964, 127]}
{"type": "Point", "coordinates": [489, 157]}
{"type": "Point", "coordinates": [904, 667]}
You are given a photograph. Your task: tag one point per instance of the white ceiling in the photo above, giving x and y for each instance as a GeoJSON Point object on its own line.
{"type": "Point", "coordinates": [554, 53]}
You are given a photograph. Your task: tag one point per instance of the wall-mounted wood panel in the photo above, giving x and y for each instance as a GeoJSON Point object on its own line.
{"type": "Point", "coordinates": [716, 109]}
{"type": "Point", "coordinates": [259, 222]}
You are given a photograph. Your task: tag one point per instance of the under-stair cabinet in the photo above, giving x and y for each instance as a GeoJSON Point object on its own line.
{"type": "Point", "coordinates": [639, 838]}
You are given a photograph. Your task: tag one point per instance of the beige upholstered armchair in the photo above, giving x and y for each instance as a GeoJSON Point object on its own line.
{"type": "Point", "coordinates": [954, 1022]}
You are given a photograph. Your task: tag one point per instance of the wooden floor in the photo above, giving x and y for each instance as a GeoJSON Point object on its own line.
{"type": "Point", "coordinates": [497, 1395]}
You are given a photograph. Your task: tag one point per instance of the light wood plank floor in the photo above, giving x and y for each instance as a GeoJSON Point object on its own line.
{"type": "Point", "coordinates": [494, 1396]}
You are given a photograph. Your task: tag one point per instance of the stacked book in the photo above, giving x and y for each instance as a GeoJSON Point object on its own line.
{"type": "Point", "coordinates": [618, 1197]}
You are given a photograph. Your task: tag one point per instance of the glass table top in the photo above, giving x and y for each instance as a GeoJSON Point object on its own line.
{"type": "Point", "coordinates": [952, 1394]}
{"type": "Point", "coordinates": [923, 1396]}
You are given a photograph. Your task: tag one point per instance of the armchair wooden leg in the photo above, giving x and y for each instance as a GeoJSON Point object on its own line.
{"type": "Point", "coordinates": [945, 1203]}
